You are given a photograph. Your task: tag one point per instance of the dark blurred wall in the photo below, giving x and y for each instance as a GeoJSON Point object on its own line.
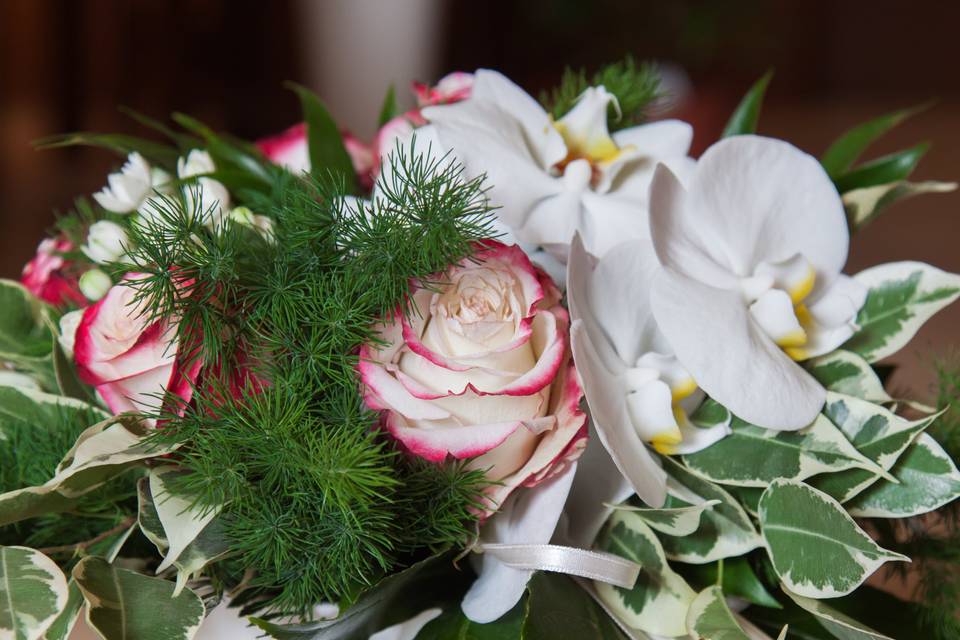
{"type": "Point", "coordinates": [65, 65]}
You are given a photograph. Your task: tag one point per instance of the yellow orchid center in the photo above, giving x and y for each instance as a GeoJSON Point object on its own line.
{"type": "Point", "coordinates": [776, 293]}
{"type": "Point", "coordinates": [584, 131]}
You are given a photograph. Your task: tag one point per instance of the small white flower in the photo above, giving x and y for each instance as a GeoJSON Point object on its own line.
{"type": "Point", "coordinates": [95, 284]}
{"type": "Point", "coordinates": [751, 253]}
{"type": "Point", "coordinates": [106, 242]}
{"type": "Point", "coordinates": [246, 217]}
{"type": "Point", "coordinates": [68, 330]}
{"type": "Point", "coordinates": [127, 190]}
{"type": "Point", "coordinates": [213, 198]}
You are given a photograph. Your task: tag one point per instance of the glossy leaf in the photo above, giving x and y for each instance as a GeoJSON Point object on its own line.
{"type": "Point", "coordinates": [738, 580]}
{"type": "Point", "coordinates": [901, 297]}
{"type": "Point", "coordinates": [848, 373]}
{"type": "Point", "coordinates": [846, 150]}
{"type": "Point", "coordinates": [816, 548]}
{"type": "Point", "coordinates": [725, 530]}
{"type": "Point", "coordinates": [839, 624]}
{"type": "Point", "coordinates": [753, 457]}
{"type": "Point", "coordinates": [878, 434]}
{"type": "Point", "coordinates": [884, 170]}
{"type": "Point", "coordinates": [658, 602]}
{"type": "Point", "coordinates": [127, 604]}
{"type": "Point", "coordinates": [557, 607]}
{"type": "Point", "coordinates": [33, 590]}
{"type": "Point", "coordinates": [389, 109]}
{"type": "Point", "coordinates": [928, 479]}
{"type": "Point", "coordinates": [747, 114]}
{"type": "Point", "coordinates": [120, 144]}
{"type": "Point", "coordinates": [25, 337]}
{"type": "Point", "coordinates": [710, 618]}
{"type": "Point", "coordinates": [675, 521]}
{"type": "Point", "coordinates": [326, 148]}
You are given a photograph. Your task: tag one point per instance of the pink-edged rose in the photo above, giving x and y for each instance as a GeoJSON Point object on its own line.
{"type": "Point", "coordinates": [482, 369]}
{"type": "Point", "coordinates": [130, 360]}
{"type": "Point", "coordinates": [291, 151]}
{"type": "Point", "coordinates": [451, 88]}
{"type": "Point", "coordinates": [47, 274]}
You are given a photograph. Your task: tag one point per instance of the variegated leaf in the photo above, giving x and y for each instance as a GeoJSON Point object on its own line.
{"type": "Point", "coordinates": [816, 548]}
{"type": "Point", "coordinates": [901, 297]}
{"type": "Point", "coordinates": [676, 521]}
{"type": "Point", "coordinates": [658, 602]}
{"type": "Point", "coordinates": [33, 591]}
{"type": "Point", "coordinates": [126, 604]}
{"type": "Point", "coordinates": [877, 433]}
{"type": "Point", "coordinates": [846, 372]}
{"type": "Point", "coordinates": [838, 624]}
{"type": "Point", "coordinates": [725, 530]}
{"type": "Point", "coordinates": [928, 479]}
{"type": "Point", "coordinates": [754, 457]}
{"type": "Point", "coordinates": [25, 340]}
{"type": "Point", "coordinates": [863, 205]}
{"type": "Point", "coordinates": [710, 618]}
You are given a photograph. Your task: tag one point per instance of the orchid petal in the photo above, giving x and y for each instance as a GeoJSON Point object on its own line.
{"type": "Point", "coordinates": [773, 311]}
{"type": "Point", "coordinates": [662, 139]}
{"type": "Point", "coordinates": [735, 362]}
{"type": "Point", "coordinates": [651, 413]}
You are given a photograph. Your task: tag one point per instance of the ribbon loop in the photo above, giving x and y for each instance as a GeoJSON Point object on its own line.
{"type": "Point", "coordinates": [595, 565]}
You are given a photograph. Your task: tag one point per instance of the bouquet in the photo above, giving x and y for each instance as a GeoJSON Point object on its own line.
{"type": "Point", "coordinates": [519, 368]}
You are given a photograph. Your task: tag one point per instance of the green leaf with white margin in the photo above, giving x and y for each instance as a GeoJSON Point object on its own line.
{"type": "Point", "coordinates": [24, 404]}
{"type": "Point", "coordinates": [102, 452]}
{"type": "Point", "coordinates": [840, 625]}
{"type": "Point", "coordinates": [127, 604]}
{"type": "Point", "coordinates": [928, 479]}
{"type": "Point", "coordinates": [675, 521]}
{"type": "Point", "coordinates": [745, 117]}
{"type": "Point", "coordinates": [749, 497]}
{"type": "Point", "coordinates": [863, 205]}
{"type": "Point", "coordinates": [901, 297]}
{"type": "Point", "coordinates": [208, 545]}
{"type": "Point", "coordinates": [753, 457]}
{"type": "Point", "coordinates": [710, 618]}
{"type": "Point", "coordinates": [876, 433]}
{"type": "Point", "coordinates": [182, 520]}
{"type": "Point", "coordinates": [658, 601]}
{"type": "Point", "coordinates": [24, 337]}
{"type": "Point", "coordinates": [61, 628]}
{"type": "Point", "coordinates": [816, 548]}
{"type": "Point", "coordinates": [725, 530]}
{"type": "Point", "coordinates": [33, 590]}
{"type": "Point", "coordinates": [846, 372]}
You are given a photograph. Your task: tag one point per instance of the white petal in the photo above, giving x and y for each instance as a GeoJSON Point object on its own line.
{"type": "Point", "coordinates": [730, 357]}
{"type": "Point", "coordinates": [611, 218]}
{"type": "Point", "coordinates": [658, 140]}
{"type": "Point", "coordinates": [529, 516]}
{"type": "Point", "coordinates": [773, 311]}
{"type": "Point", "coordinates": [697, 438]}
{"type": "Point", "coordinates": [584, 127]}
{"type": "Point", "coordinates": [764, 200]}
{"type": "Point", "coordinates": [651, 412]}
{"type": "Point", "coordinates": [795, 275]}
{"type": "Point", "coordinates": [606, 397]}
{"type": "Point", "coordinates": [840, 303]}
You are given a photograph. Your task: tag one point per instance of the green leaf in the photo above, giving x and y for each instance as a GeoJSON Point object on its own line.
{"type": "Point", "coordinates": [901, 297]}
{"type": "Point", "coordinates": [738, 580]}
{"type": "Point", "coordinates": [848, 373]}
{"type": "Point", "coordinates": [863, 205]}
{"type": "Point", "coordinates": [816, 548]}
{"type": "Point", "coordinates": [839, 624]}
{"type": "Point", "coordinates": [126, 604]}
{"type": "Point", "coordinates": [710, 618]}
{"type": "Point", "coordinates": [557, 607]}
{"type": "Point", "coordinates": [36, 407]}
{"type": "Point", "coordinates": [725, 530]}
{"type": "Point", "coordinates": [103, 451]}
{"type": "Point", "coordinates": [121, 145]}
{"type": "Point", "coordinates": [877, 433]}
{"type": "Point", "coordinates": [327, 151]}
{"type": "Point", "coordinates": [199, 538]}
{"type": "Point", "coordinates": [33, 591]}
{"type": "Point", "coordinates": [226, 153]}
{"type": "Point", "coordinates": [25, 337]}
{"type": "Point", "coordinates": [747, 114]}
{"type": "Point", "coordinates": [453, 624]}
{"type": "Point", "coordinates": [389, 109]}
{"type": "Point", "coordinates": [883, 170]}
{"type": "Point", "coordinates": [658, 602]}
{"type": "Point", "coordinates": [396, 598]}
{"type": "Point", "coordinates": [749, 497]}
{"type": "Point", "coordinates": [928, 479]}
{"type": "Point", "coordinates": [847, 148]}
{"type": "Point", "coordinates": [753, 457]}
{"type": "Point", "coordinates": [674, 521]}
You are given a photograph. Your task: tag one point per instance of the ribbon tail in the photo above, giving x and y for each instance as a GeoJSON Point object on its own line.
{"type": "Point", "coordinates": [595, 565]}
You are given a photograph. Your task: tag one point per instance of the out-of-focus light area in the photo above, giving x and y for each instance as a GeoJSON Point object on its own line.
{"type": "Point", "coordinates": [66, 66]}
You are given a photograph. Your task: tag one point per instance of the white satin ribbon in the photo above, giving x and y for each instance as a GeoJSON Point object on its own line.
{"type": "Point", "coordinates": [595, 565]}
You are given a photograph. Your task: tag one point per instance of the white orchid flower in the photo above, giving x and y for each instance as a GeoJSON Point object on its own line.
{"type": "Point", "coordinates": [751, 253]}
{"type": "Point", "coordinates": [553, 179]}
{"type": "Point", "coordinates": [213, 199]}
{"type": "Point", "coordinates": [127, 190]}
{"type": "Point", "coordinates": [106, 242]}
{"type": "Point", "coordinates": [637, 390]}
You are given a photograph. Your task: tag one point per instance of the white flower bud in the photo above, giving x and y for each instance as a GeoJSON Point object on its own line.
{"type": "Point", "coordinates": [106, 242]}
{"type": "Point", "coordinates": [68, 330]}
{"type": "Point", "coordinates": [127, 189]}
{"type": "Point", "coordinates": [213, 199]}
{"type": "Point", "coordinates": [94, 284]}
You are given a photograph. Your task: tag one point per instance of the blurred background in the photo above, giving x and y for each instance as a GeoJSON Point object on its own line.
{"type": "Point", "coordinates": [66, 65]}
